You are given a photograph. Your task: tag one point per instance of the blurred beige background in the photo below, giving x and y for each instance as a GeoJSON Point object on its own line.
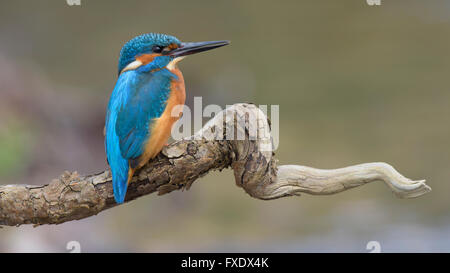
{"type": "Point", "coordinates": [355, 83]}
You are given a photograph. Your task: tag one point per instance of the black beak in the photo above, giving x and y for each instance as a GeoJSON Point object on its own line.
{"type": "Point", "coordinates": [192, 48]}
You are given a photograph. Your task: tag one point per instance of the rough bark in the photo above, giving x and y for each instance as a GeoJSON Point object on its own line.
{"type": "Point", "coordinates": [238, 137]}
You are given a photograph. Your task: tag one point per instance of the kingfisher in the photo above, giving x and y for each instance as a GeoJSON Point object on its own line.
{"type": "Point", "coordinates": [140, 112]}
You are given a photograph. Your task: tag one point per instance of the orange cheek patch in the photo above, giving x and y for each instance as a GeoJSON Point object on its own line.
{"type": "Point", "coordinates": [173, 46]}
{"type": "Point", "coordinates": [147, 58]}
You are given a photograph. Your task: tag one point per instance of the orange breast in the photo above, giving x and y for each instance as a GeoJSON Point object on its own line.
{"type": "Point", "coordinates": [161, 130]}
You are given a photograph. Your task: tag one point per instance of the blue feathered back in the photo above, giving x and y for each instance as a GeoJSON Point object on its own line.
{"type": "Point", "coordinates": [137, 100]}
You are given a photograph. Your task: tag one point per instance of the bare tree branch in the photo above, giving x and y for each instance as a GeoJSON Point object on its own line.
{"type": "Point", "coordinates": [238, 137]}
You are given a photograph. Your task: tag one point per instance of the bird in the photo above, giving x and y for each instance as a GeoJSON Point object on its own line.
{"type": "Point", "coordinates": [139, 114]}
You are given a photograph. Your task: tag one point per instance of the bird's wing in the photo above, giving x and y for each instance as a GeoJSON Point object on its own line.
{"type": "Point", "coordinates": [146, 101]}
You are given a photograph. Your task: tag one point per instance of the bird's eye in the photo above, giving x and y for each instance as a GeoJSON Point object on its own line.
{"type": "Point", "coordinates": [157, 49]}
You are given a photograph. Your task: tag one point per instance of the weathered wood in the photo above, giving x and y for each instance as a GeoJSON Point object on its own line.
{"type": "Point", "coordinates": [73, 197]}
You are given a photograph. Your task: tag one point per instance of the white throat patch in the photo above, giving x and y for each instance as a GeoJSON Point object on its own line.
{"type": "Point", "coordinates": [173, 63]}
{"type": "Point", "coordinates": [132, 66]}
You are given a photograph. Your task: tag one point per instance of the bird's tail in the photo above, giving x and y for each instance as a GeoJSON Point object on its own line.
{"type": "Point", "coordinates": [120, 181]}
{"type": "Point", "coordinates": [120, 184]}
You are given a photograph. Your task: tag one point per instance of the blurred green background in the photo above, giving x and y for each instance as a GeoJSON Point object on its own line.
{"type": "Point", "coordinates": [355, 83]}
